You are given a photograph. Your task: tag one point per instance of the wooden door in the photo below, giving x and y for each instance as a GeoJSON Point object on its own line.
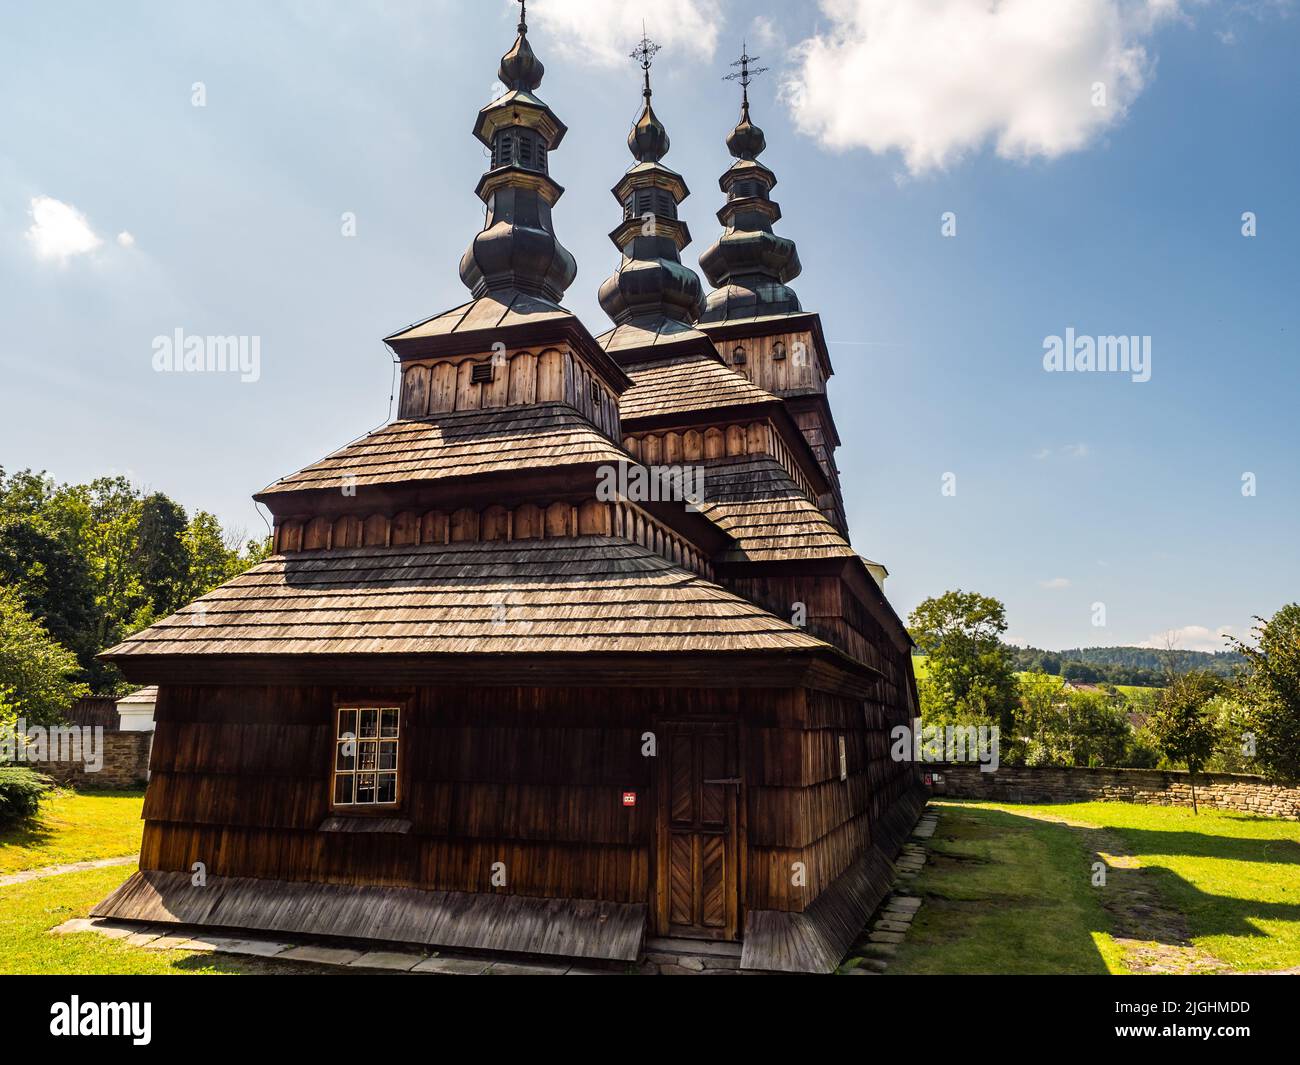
{"type": "Point", "coordinates": [698, 800]}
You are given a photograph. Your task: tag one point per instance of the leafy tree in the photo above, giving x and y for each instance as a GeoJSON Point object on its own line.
{"type": "Point", "coordinates": [161, 556]}
{"type": "Point", "coordinates": [969, 667]}
{"type": "Point", "coordinates": [53, 580]}
{"type": "Point", "coordinates": [1184, 723]}
{"type": "Point", "coordinates": [37, 675]}
{"type": "Point", "coordinates": [1272, 692]}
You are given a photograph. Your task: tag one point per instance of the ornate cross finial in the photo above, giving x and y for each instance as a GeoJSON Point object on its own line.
{"type": "Point", "coordinates": [523, 16]}
{"type": "Point", "coordinates": [645, 55]}
{"type": "Point", "coordinates": [746, 73]}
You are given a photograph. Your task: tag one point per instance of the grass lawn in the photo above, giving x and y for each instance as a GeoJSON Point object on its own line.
{"type": "Point", "coordinates": [1007, 893]}
{"type": "Point", "coordinates": [74, 827]}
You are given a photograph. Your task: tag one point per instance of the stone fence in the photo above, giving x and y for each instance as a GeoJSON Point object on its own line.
{"type": "Point", "coordinates": [1043, 784]}
{"type": "Point", "coordinates": [125, 757]}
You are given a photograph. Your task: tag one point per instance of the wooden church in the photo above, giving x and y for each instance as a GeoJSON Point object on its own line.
{"type": "Point", "coordinates": [475, 700]}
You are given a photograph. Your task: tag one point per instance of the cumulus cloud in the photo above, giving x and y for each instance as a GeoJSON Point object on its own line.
{"type": "Point", "coordinates": [59, 231]}
{"type": "Point", "coordinates": [603, 33]}
{"type": "Point", "coordinates": [937, 79]}
{"type": "Point", "coordinates": [126, 240]}
{"type": "Point", "coordinates": [1191, 638]}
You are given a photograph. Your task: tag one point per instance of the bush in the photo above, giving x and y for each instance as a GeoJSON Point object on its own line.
{"type": "Point", "coordinates": [20, 792]}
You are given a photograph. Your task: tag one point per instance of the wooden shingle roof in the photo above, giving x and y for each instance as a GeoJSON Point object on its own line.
{"type": "Point", "coordinates": [498, 311]}
{"type": "Point", "coordinates": [691, 383]}
{"type": "Point", "coordinates": [754, 500]}
{"type": "Point", "coordinates": [579, 594]}
{"type": "Point", "coordinates": [460, 444]}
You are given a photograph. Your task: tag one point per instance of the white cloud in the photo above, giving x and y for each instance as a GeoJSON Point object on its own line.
{"type": "Point", "coordinates": [1076, 451]}
{"type": "Point", "coordinates": [1191, 638]}
{"type": "Point", "coordinates": [604, 33]}
{"type": "Point", "coordinates": [939, 79]}
{"type": "Point", "coordinates": [126, 240]}
{"type": "Point", "coordinates": [59, 231]}
{"type": "Point", "coordinates": [1055, 583]}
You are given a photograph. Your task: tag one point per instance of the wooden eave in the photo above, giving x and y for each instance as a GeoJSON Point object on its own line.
{"type": "Point", "coordinates": [825, 670]}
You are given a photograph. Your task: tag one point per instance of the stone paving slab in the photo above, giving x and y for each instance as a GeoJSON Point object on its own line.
{"type": "Point", "coordinates": [322, 955]}
{"type": "Point", "coordinates": [452, 966]}
{"type": "Point", "coordinates": [388, 959]}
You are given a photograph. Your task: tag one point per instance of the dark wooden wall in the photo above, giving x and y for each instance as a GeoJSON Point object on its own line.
{"type": "Point", "coordinates": [530, 777]}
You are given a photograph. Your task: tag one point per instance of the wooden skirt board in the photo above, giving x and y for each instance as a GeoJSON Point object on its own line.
{"type": "Point", "coordinates": [697, 879]}
{"type": "Point", "coordinates": [518, 924]}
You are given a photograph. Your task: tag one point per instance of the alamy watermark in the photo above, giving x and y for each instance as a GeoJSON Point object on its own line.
{"type": "Point", "coordinates": [651, 484]}
{"type": "Point", "coordinates": [57, 743]}
{"type": "Point", "coordinates": [947, 743]}
{"type": "Point", "coordinates": [181, 353]}
{"type": "Point", "coordinates": [1109, 354]}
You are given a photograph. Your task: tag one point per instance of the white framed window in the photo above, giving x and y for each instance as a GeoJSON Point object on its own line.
{"type": "Point", "coordinates": [367, 740]}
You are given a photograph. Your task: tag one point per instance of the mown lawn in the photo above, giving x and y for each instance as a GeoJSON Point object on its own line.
{"type": "Point", "coordinates": [74, 827]}
{"type": "Point", "coordinates": [1005, 893]}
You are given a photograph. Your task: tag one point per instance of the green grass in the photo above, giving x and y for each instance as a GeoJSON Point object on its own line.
{"type": "Point", "coordinates": [1234, 876]}
{"type": "Point", "coordinates": [1005, 893]}
{"type": "Point", "coordinates": [28, 911]}
{"type": "Point", "coordinates": [74, 827]}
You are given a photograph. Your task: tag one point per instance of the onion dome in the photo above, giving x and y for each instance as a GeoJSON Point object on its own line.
{"type": "Point", "coordinates": [749, 265]}
{"type": "Point", "coordinates": [517, 249]}
{"type": "Point", "coordinates": [651, 286]}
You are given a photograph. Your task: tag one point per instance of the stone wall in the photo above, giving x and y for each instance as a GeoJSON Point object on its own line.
{"type": "Point", "coordinates": [126, 764]}
{"type": "Point", "coordinates": [1041, 784]}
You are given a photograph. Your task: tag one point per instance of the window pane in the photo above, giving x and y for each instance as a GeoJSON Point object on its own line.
{"type": "Point", "coordinates": [387, 787]}
{"type": "Point", "coordinates": [369, 723]}
{"type": "Point", "coordinates": [347, 755]}
{"type": "Point", "coordinates": [347, 722]}
{"type": "Point", "coordinates": [368, 755]}
{"type": "Point", "coordinates": [389, 730]}
{"type": "Point", "coordinates": [366, 787]}
{"type": "Point", "coordinates": [387, 756]}
{"type": "Point", "coordinates": [343, 789]}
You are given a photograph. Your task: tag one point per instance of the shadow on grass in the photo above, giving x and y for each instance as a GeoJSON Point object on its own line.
{"type": "Point", "coordinates": [1151, 902]}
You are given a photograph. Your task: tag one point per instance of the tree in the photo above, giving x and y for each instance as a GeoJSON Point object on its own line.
{"type": "Point", "coordinates": [1272, 692]}
{"type": "Point", "coordinates": [1185, 724]}
{"type": "Point", "coordinates": [53, 580]}
{"type": "Point", "coordinates": [37, 675]}
{"type": "Point", "coordinates": [160, 555]}
{"type": "Point", "coordinates": [969, 666]}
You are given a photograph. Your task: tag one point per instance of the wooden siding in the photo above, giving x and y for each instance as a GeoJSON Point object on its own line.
{"type": "Point", "coordinates": [520, 378]}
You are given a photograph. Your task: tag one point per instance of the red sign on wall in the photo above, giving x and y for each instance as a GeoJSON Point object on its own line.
{"type": "Point", "coordinates": [629, 798]}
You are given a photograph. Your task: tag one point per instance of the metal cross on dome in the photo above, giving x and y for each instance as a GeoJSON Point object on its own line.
{"type": "Point", "coordinates": [746, 73]}
{"type": "Point", "coordinates": [523, 15]}
{"type": "Point", "coordinates": [645, 55]}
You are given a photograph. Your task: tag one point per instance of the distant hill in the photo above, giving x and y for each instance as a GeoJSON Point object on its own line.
{"type": "Point", "coordinates": [1123, 665]}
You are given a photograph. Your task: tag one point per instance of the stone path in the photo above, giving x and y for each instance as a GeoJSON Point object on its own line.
{"type": "Point", "coordinates": [74, 867]}
{"type": "Point", "coordinates": [870, 955]}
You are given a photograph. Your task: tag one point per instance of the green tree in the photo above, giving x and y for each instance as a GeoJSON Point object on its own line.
{"type": "Point", "coordinates": [969, 667]}
{"type": "Point", "coordinates": [1184, 722]}
{"type": "Point", "coordinates": [1272, 693]}
{"type": "Point", "coordinates": [37, 675]}
{"type": "Point", "coordinates": [161, 558]}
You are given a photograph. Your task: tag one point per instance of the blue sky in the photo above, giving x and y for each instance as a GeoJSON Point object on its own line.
{"type": "Point", "coordinates": [1071, 489]}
